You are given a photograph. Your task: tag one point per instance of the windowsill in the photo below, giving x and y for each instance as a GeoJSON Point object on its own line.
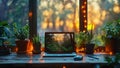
{"type": "Point", "coordinates": [26, 60]}
{"type": "Point", "coordinates": [37, 58]}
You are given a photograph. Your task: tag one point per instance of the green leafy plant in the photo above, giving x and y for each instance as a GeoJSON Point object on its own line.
{"type": "Point", "coordinates": [21, 32]}
{"type": "Point", "coordinates": [113, 60]}
{"type": "Point", "coordinates": [5, 32]}
{"type": "Point", "coordinates": [80, 38]}
{"type": "Point", "coordinates": [3, 23]}
{"type": "Point", "coordinates": [36, 39]}
{"type": "Point", "coordinates": [89, 37]}
{"type": "Point", "coordinates": [36, 44]}
{"type": "Point", "coordinates": [97, 40]}
{"type": "Point", "coordinates": [111, 29]}
{"type": "Point", "coordinates": [4, 29]}
{"type": "Point", "coordinates": [83, 38]}
{"type": "Point", "coordinates": [111, 35]}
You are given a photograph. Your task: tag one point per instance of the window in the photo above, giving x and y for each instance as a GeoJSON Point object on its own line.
{"type": "Point", "coordinates": [14, 11]}
{"type": "Point", "coordinates": [102, 11]}
{"type": "Point", "coordinates": [57, 16]}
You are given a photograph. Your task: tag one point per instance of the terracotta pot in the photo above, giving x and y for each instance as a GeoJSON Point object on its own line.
{"type": "Point", "coordinates": [112, 45]}
{"type": "Point", "coordinates": [22, 46]}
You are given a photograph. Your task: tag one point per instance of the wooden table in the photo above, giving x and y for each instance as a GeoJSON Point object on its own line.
{"type": "Point", "coordinates": [36, 60]}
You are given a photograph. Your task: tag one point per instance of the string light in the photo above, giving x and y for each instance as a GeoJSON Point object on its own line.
{"type": "Point", "coordinates": [85, 20]}
{"type": "Point", "coordinates": [83, 15]}
{"type": "Point", "coordinates": [83, 7]}
{"type": "Point", "coordinates": [30, 14]}
{"type": "Point", "coordinates": [85, 2]}
{"type": "Point", "coordinates": [84, 11]}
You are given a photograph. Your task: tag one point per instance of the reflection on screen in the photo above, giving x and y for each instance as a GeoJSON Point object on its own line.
{"type": "Point", "coordinates": [59, 42]}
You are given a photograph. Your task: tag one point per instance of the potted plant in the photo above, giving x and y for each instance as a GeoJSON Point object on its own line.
{"type": "Point", "coordinates": [36, 44]}
{"type": "Point", "coordinates": [113, 61]}
{"type": "Point", "coordinates": [21, 34]}
{"type": "Point", "coordinates": [85, 39]}
{"type": "Point", "coordinates": [89, 43]}
{"type": "Point", "coordinates": [4, 30]}
{"type": "Point", "coordinates": [111, 35]}
{"type": "Point", "coordinates": [5, 33]}
{"type": "Point", "coordinates": [80, 39]}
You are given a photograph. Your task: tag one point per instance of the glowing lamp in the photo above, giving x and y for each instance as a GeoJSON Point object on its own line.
{"type": "Point", "coordinates": [90, 27]}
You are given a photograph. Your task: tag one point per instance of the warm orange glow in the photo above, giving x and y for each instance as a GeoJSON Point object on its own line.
{"type": "Point", "coordinates": [84, 16]}
{"type": "Point", "coordinates": [61, 23]}
{"type": "Point", "coordinates": [77, 50]}
{"type": "Point", "coordinates": [44, 25]}
{"type": "Point", "coordinates": [116, 9]}
{"type": "Point", "coordinates": [16, 49]}
{"type": "Point", "coordinates": [108, 48]}
{"type": "Point", "coordinates": [85, 2]}
{"type": "Point", "coordinates": [68, 6]}
{"type": "Point", "coordinates": [111, 53]}
{"type": "Point", "coordinates": [100, 49]}
{"type": "Point", "coordinates": [30, 14]}
{"type": "Point", "coordinates": [46, 13]}
{"type": "Point", "coordinates": [80, 49]}
{"type": "Point", "coordinates": [103, 14]}
{"type": "Point", "coordinates": [56, 19]}
{"type": "Point", "coordinates": [96, 21]}
{"type": "Point", "coordinates": [77, 25]}
{"type": "Point", "coordinates": [85, 21]}
{"type": "Point", "coordinates": [84, 11]}
{"type": "Point", "coordinates": [30, 47]}
{"type": "Point", "coordinates": [84, 30]}
{"type": "Point", "coordinates": [70, 16]}
{"type": "Point", "coordinates": [42, 49]}
{"type": "Point", "coordinates": [59, 38]}
{"type": "Point", "coordinates": [57, 25]}
{"type": "Point", "coordinates": [64, 66]}
{"type": "Point", "coordinates": [50, 24]}
{"type": "Point", "coordinates": [83, 7]}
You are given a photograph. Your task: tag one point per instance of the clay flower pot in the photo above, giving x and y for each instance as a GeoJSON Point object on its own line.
{"type": "Point", "coordinates": [22, 46]}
